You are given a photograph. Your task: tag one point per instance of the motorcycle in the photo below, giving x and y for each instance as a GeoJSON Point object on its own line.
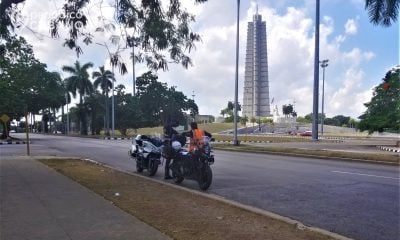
{"type": "Point", "coordinates": [147, 153]}
{"type": "Point", "coordinates": [193, 165]}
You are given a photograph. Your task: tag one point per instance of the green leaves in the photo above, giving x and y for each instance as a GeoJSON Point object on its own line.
{"type": "Point", "coordinates": [158, 26]}
{"type": "Point", "coordinates": [383, 111]}
{"type": "Point", "coordinates": [79, 82]}
{"type": "Point", "coordinates": [159, 103]}
{"type": "Point", "coordinates": [26, 85]}
{"type": "Point", "coordinates": [382, 12]}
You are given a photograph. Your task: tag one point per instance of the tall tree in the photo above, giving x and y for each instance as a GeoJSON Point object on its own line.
{"type": "Point", "coordinates": [104, 79]}
{"type": "Point", "coordinates": [26, 86]}
{"type": "Point", "coordinates": [79, 82]}
{"type": "Point", "coordinates": [159, 28]}
{"type": "Point", "coordinates": [229, 110]}
{"type": "Point", "coordinates": [128, 111]}
{"type": "Point", "coordinates": [161, 104]}
{"type": "Point", "coordinates": [383, 111]}
{"type": "Point", "coordinates": [94, 105]}
{"type": "Point", "coordinates": [382, 12]}
{"type": "Point", "coordinates": [287, 110]}
{"type": "Point", "coordinates": [341, 120]}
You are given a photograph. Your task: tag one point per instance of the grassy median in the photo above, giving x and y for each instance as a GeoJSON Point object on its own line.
{"type": "Point", "coordinates": [391, 159]}
{"type": "Point", "coordinates": [178, 213]}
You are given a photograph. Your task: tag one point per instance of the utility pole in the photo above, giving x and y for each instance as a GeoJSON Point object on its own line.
{"type": "Point", "coordinates": [112, 107]}
{"type": "Point", "coordinates": [28, 149]}
{"type": "Point", "coordinates": [316, 76]}
{"type": "Point", "coordinates": [112, 96]}
{"type": "Point", "coordinates": [324, 64]}
{"type": "Point", "coordinates": [67, 115]}
{"type": "Point", "coordinates": [133, 70]}
{"type": "Point", "coordinates": [235, 138]}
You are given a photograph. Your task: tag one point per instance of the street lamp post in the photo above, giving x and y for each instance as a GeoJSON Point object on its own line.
{"type": "Point", "coordinates": [133, 71]}
{"type": "Point", "coordinates": [112, 107]}
{"type": "Point", "coordinates": [324, 64]}
{"type": "Point", "coordinates": [235, 139]}
{"type": "Point", "coordinates": [112, 96]}
{"type": "Point", "coordinates": [66, 96]}
{"type": "Point", "coordinates": [316, 76]}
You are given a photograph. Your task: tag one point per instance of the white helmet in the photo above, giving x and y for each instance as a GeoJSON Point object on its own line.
{"type": "Point", "coordinates": [176, 145]}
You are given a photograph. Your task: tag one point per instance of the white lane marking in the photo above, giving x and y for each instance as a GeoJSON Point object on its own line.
{"type": "Point", "coordinates": [362, 174]}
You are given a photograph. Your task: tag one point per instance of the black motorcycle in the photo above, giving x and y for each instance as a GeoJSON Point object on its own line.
{"type": "Point", "coordinates": [147, 153]}
{"type": "Point", "coordinates": [193, 165]}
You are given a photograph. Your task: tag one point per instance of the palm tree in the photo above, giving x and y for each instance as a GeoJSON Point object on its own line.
{"type": "Point", "coordinates": [79, 82]}
{"type": "Point", "coordinates": [382, 12]}
{"type": "Point", "coordinates": [104, 79]}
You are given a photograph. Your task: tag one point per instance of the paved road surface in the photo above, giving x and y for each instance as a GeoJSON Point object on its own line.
{"type": "Point", "coordinates": [357, 200]}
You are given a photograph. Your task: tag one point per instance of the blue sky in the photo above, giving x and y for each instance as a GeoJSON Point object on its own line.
{"type": "Point", "coordinates": [359, 53]}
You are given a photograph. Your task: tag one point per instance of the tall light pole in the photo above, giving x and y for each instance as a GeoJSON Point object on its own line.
{"type": "Point", "coordinates": [324, 64]}
{"type": "Point", "coordinates": [133, 70]}
{"type": "Point", "coordinates": [112, 107]}
{"type": "Point", "coordinates": [235, 139]}
{"type": "Point", "coordinates": [66, 97]}
{"type": "Point", "coordinates": [316, 76]}
{"type": "Point", "coordinates": [112, 96]}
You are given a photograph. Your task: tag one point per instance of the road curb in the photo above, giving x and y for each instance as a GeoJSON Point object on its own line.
{"type": "Point", "coordinates": [389, 149]}
{"type": "Point", "coordinates": [299, 225]}
{"type": "Point", "coordinates": [229, 141]}
{"type": "Point", "coordinates": [13, 142]}
{"type": "Point", "coordinates": [115, 138]}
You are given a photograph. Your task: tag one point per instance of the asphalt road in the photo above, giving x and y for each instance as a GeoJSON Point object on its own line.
{"type": "Point", "coordinates": [358, 200]}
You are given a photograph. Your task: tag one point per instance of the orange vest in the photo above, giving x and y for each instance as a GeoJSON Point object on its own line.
{"type": "Point", "coordinates": [196, 141]}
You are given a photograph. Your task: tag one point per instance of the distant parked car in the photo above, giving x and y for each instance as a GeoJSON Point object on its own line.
{"type": "Point", "coordinates": [306, 133]}
{"type": "Point", "coordinates": [292, 132]}
{"type": "Point", "coordinates": [12, 131]}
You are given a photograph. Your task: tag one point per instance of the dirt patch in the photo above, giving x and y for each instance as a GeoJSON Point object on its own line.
{"type": "Point", "coordinates": [177, 213]}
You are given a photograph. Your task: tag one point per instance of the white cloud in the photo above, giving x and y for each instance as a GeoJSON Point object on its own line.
{"type": "Point", "coordinates": [351, 27]}
{"type": "Point", "coordinates": [290, 55]}
{"type": "Point", "coordinates": [349, 99]}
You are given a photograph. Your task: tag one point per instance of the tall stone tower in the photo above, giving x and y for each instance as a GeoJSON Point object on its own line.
{"type": "Point", "coordinates": [256, 101]}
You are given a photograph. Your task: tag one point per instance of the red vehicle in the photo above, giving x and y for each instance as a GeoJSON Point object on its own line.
{"type": "Point", "coordinates": [306, 134]}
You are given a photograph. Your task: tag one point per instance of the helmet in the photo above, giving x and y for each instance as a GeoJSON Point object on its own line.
{"type": "Point", "coordinates": [176, 145]}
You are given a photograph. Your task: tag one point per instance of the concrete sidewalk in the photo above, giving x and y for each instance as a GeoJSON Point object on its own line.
{"type": "Point", "coordinates": [36, 202]}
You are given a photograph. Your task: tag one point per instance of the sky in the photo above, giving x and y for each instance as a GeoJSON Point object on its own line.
{"type": "Point", "coordinates": [359, 52]}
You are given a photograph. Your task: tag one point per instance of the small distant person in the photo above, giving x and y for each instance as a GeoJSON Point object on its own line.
{"type": "Point", "coordinates": [196, 136]}
{"type": "Point", "coordinates": [169, 134]}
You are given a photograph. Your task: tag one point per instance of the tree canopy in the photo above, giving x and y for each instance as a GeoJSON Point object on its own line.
{"type": "Point", "coordinates": [26, 86]}
{"type": "Point", "coordinates": [162, 104]}
{"type": "Point", "coordinates": [229, 110]}
{"type": "Point", "coordinates": [154, 27]}
{"type": "Point", "coordinates": [382, 12]}
{"type": "Point", "coordinates": [383, 111]}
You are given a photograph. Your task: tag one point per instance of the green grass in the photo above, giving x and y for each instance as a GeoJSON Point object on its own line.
{"type": "Point", "coordinates": [265, 138]}
{"type": "Point", "coordinates": [209, 127]}
{"type": "Point", "coordinates": [371, 157]}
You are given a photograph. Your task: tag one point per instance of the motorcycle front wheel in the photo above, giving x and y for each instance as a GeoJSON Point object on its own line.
{"type": "Point", "coordinates": [205, 177]}
{"type": "Point", "coordinates": [177, 177]}
{"type": "Point", "coordinates": [139, 168]}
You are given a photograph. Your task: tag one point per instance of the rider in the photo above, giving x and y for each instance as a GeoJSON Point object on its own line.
{"type": "Point", "coordinates": [169, 134]}
{"type": "Point", "coordinates": [196, 136]}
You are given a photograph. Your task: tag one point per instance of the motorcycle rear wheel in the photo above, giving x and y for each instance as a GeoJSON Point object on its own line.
{"type": "Point", "coordinates": [153, 167]}
{"type": "Point", "coordinates": [205, 177]}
